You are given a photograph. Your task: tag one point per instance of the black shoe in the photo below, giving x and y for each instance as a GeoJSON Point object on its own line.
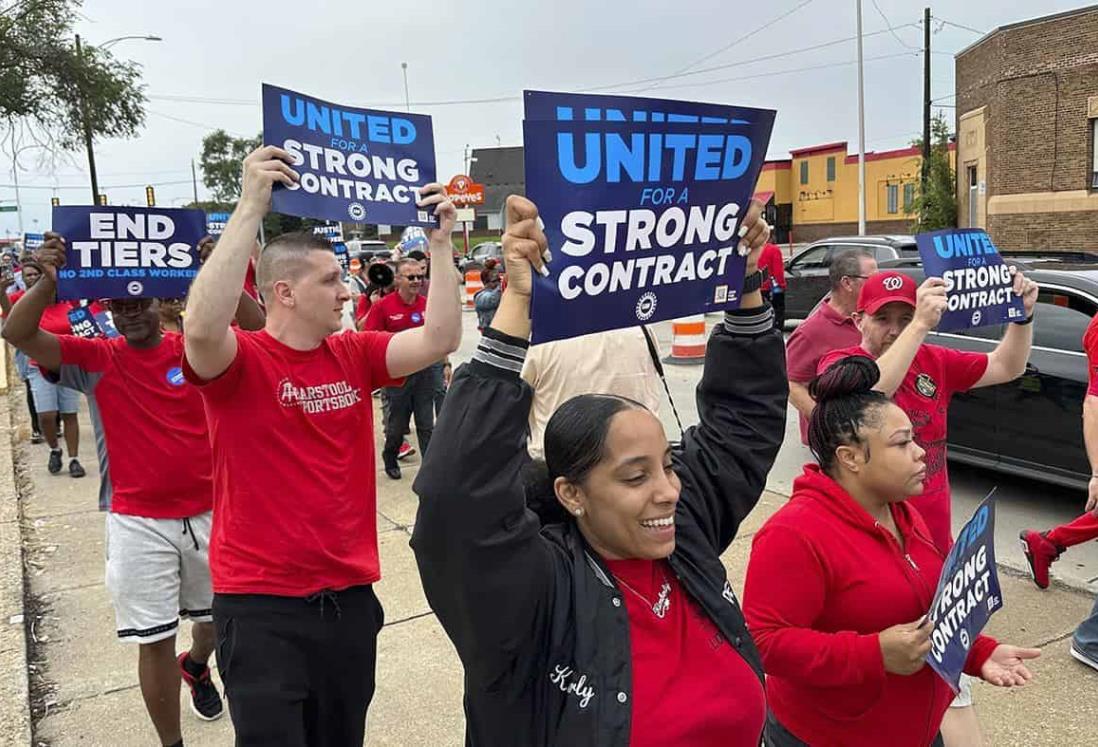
{"type": "Point", "coordinates": [75, 469]}
{"type": "Point", "coordinates": [205, 700]}
{"type": "Point", "coordinates": [393, 472]}
{"type": "Point", "coordinates": [54, 465]}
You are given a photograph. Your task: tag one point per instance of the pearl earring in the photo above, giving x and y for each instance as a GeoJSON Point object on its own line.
{"type": "Point", "coordinates": [579, 512]}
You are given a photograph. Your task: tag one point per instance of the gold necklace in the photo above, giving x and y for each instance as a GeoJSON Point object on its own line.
{"type": "Point", "coordinates": [663, 601]}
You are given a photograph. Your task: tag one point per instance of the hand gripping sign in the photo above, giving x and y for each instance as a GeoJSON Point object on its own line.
{"type": "Point", "coordinates": [360, 165]}
{"type": "Point", "coordinates": [979, 287]}
{"type": "Point", "coordinates": [642, 200]}
{"type": "Point", "coordinates": [128, 252]}
{"type": "Point", "coordinates": [968, 595]}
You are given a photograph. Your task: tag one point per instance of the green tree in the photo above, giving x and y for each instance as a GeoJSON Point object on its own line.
{"type": "Point", "coordinates": [222, 156]}
{"type": "Point", "coordinates": [936, 206]}
{"type": "Point", "coordinates": [45, 85]}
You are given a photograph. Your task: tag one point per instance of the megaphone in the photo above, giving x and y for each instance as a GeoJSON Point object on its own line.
{"type": "Point", "coordinates": [380, 275]}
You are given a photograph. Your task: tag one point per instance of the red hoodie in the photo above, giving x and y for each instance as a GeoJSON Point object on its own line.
{"type": "Point", "coordinates": [823, 580]}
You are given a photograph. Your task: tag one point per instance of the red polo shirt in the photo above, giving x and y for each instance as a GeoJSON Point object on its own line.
{"type": "Point", "coordinates": [824, 331]}
{"type": "Point", "coordinates": [391, 314]}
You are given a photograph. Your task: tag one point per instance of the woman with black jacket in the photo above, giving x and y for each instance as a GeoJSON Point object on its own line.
{"type": "Point", "coordinates": [614, 625]}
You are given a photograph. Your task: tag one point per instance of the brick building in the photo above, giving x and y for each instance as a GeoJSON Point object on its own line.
{"type": "Point", "coordinates": [1027, 124]}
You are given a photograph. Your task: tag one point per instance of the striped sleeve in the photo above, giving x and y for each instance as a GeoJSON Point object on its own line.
{"type": "Point", "coordinates": [503, 353]}
{"type": "Point", "coordinates": [749, 321]}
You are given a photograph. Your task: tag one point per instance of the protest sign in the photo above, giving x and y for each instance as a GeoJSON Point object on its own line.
{"type": "Point", "coordinates": [642, 200]}
{"type": "Point", "coordinates": [32, 242]}
{"type": "Point", "coordinates": [979, 287]}
{"type": "Point", "coordinates": [215, 223]}
{"type": "Point", "coordinates": [334, 234]}
{"type": "Point", "coordinates": [968, 595]}
{"type": "Point", "coordinates": [355, 164]}
{"type": "Point", "coordinates": [128, 252]}
{"type": "Point", "coordinates": [86, 322]}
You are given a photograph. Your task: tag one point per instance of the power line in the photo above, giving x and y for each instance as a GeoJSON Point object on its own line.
{"type": "Point", "coordinates": [959, 26]}
{"type": "Point", "coordinates": [101, 186]}
{"type": "Point", "coordinates": [889, 25]}
{"type": "Point", "coordinates": [738, 40]}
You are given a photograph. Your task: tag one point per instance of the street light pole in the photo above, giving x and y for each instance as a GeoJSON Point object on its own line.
{"type": "Point", "coordinates": [407, 101]}
{"type": "Point", "coordinates": [86, 123]}
{"type": "Point", "coordinates": [84, 105]}
{"type": "Point", "coordinates": [861, 128]}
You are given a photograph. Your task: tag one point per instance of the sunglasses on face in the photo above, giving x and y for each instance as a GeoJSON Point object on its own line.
{"type": "Point", "coordinates": [414, 278]}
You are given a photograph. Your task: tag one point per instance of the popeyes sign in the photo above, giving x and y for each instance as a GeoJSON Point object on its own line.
{"type": "Point", "coordinates": [464, 191]}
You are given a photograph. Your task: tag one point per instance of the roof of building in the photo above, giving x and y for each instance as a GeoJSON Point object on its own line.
{"type": "Point", "coordinates": [780, 164]}
{"type": "Point", "coordinates": [501, 171]}
{"type": "Point", "coordinates": [813, 149]}
{"type": "Point", "coordinates": [1028, 22]}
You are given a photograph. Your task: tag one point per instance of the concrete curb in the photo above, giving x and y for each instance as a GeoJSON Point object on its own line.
{"type": "Point", "coordinates": [15, 711]}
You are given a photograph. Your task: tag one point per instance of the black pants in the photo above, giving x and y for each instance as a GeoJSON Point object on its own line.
{"type": "Point", "coordinates": [417, 396]}
{"type": "Point", "coordinates": [30, 408]}
{"type": "Point", "coordinates": [777, 301]}
{"type": "Point", "coordinates": [298, 672]}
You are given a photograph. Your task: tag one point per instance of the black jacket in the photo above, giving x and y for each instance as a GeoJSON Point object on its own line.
{"type": "Point", "coordinates": [537, 620]}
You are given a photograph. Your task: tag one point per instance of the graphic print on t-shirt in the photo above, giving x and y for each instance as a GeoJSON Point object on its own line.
{"type": "Point", "coordinates": [318, 398]}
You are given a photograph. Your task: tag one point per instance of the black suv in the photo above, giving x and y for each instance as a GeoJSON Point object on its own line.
{"type": "Point", "coordinates": [1033, 425]}
{"type": "Point", "coordinates": [806, 272]}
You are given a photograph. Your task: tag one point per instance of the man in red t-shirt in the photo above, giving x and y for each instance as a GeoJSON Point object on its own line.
{"type": "Point", "coordinates": [294, 552]}
{"type": "Point", "coordinates": [405, 309]}
{"type": "Point", "coordinates": [828, 328]}
{"type": "Point", "coordinates": [773, 286]}
{"type": "Point", "coordinates": [158, 454]}
{"type": "Point", "coordinates": [895, 317]}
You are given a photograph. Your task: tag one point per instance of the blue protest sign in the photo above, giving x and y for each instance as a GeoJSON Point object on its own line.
{"type": "Point", "coordinates": [355, 164]}
{"type": "Point", "coordinates": [334, 234]}
{"type": "Point", "coordinates": [215, 223]}
{"type": "Point", "coordinates": [979, 287]}
{"type": "Point", "coordinates": [128, 252]}
{"type": "Point", "coordinates": [641, 200]}
{"type": "Point", "coordinates": [968, 595]}
{"type": "Point", "coordinates": [33, 241]}
{"type": "Point", "coordinates": [87, 323]}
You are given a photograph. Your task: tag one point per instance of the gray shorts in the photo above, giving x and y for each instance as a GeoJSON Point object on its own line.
{"type": "Point", "coordinates": [158, 572]}
{"type": "Point", "coordinates": [50, 397]}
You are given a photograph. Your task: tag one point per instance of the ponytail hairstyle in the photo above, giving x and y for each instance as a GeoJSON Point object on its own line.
{"type": "Point", "coordinates": [845, 401]}
{"type": "Point", "coordinates": [575, 442]}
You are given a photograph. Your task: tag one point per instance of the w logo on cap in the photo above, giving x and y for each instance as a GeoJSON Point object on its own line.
{"type": "Point", "coordinates": [893, 282]}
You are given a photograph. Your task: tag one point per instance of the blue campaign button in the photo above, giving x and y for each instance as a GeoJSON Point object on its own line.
{"type": "Point", "coordinates": [175, 376]}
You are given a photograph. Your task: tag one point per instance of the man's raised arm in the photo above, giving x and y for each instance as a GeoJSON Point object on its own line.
{"type": "Point", "coordinates": [213, 300]}
{"type": "Point", "coordinates": [415, 349]}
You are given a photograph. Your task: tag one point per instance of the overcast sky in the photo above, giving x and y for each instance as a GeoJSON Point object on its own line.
{"type": "Point", "coordinates": [206, 72]}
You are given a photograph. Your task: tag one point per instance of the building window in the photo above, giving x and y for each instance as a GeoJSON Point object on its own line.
{"type": "Point", "coordinates": [831, 169]}
{"type": "Point", "coordinates": [909, 197]}
{"type": "Point", "coordinates": [1094, 150]}
{"type": "Point", "coordinates": [804, 172]}
{"type": "Point", "coordinates": [893, 192]}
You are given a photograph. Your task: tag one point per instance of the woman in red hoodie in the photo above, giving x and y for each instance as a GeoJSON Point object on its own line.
{"type": "Point", "coordinates": [841, 578]}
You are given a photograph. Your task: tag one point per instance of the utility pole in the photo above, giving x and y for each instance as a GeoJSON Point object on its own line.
{"type": "Point", "coordinates": [861, 128]}
{"type": "Point", "coordinates": [15, 180]}
{"type": "Point", "coordinates": [407, 100]}
{"type": "Point", "coordinates": [194, 183]}
{"type": "Point", "coordinates": [86, 123]}
{"type": "Point", "coordinates": [925, 174]}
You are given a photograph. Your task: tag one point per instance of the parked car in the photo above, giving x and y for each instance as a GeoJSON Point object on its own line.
{"type": "Point", "coordinates": [481, 252]}
{"type": "Point", "coordinates": [1032, 426]}
{"type": "Point", "coordinates": [807, 272]}
{"type": "Point", "coordinates": [365, 250]}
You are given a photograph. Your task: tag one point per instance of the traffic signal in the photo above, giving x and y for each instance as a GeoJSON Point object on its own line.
{"type": "Point", "coordinates": [150, 196]}
{"type": "Point", "coordinates": [102, 199]}
{"type": "Point", "coordinates": [55, 201]}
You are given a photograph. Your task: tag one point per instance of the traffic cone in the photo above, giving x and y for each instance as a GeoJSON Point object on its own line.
{"type": "Point", "coordinates": [473, 285]}
{"type": "Point", "coordinates": [687, 341]}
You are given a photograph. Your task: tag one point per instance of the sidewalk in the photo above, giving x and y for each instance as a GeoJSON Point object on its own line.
{"type": "Point", "coordinates": [86, 690]}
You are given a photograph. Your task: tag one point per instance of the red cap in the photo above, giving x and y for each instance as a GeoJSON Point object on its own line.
{"type": "Point", "coordinates": [886, 287]}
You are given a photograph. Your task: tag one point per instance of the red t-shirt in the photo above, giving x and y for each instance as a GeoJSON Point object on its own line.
{"type": "Point", "coordinates": [1090, 344]}
{"type": "Point", "coordinates": [295, 500]}
{"type": "Point", "coordinates": [936, 374]}
{"type": "Point", "coordinates": [690, 687]}
{"type": "Point", "coordinates": [391, 314]}
{"type": "Point", "coordinates": [824, 331]}
{"type": "Point", "coordinates": [250, 286]}
{"type": "Point", "coordinates": [770, 258]}
{"type": "Point", "coordinates": [158, 447]}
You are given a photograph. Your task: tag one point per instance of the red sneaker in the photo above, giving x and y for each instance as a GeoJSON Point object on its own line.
{"type": "Point", "coordinates": [1041, 553]}
{"type": "Point", "coordinates": [406, 450]}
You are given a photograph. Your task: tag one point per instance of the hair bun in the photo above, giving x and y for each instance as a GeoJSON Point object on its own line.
{"type": "Point", "coordinates": [855, 374]}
